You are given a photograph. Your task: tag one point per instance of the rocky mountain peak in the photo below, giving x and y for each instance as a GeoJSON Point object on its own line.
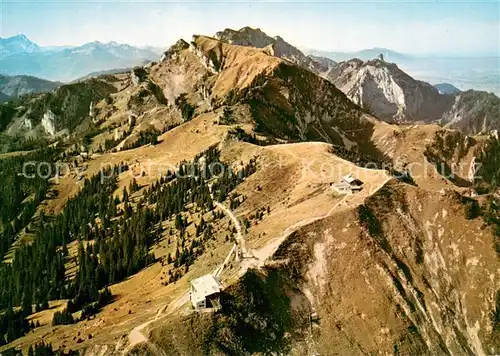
{"type": "Point", "coordinates": [175, 48]}
{"type": "Point", "coordinates": [389, 93]}
{"type": "Point", "coordinates": [246, 36]}
{"type": "Point", "coordinates": [275, 46]}
{"type": "Point", "coordinates": [17, 44]}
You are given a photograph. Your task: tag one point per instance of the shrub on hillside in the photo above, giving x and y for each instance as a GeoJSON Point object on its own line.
{"type": "Point", "coordinates": [62, 318]}
{"type": "Point", "coordinates": [472, 208]}
{"type": "Point", "coordinates": [187, 110]}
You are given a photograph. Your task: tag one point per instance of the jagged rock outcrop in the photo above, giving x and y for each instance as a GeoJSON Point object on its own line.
{"type": "Point", "coordinates": [173, 50]}
{"type": "Point", "coordinates": [146, 94]}
{"type": "Point", "coordinates": [323, 64]}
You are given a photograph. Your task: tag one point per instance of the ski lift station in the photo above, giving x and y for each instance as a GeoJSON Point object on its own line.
{"type": "Point", "coordinates": [347, 185]}
{"type": "Point", "coordinates": [205, 293]}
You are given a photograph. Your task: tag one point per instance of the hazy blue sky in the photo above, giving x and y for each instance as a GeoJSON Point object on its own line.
{"type": "Point", "coordinates": [413, 27]}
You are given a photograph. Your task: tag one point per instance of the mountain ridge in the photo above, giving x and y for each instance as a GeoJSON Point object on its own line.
{"type": "Point", "coordinates": [68, 63]}
{"type": "Point", "coordinates": [378, 85]}
{"type": "Point", "coordinates": [15, 86]}
{"type": "Point", "coordinates": [275, 46]}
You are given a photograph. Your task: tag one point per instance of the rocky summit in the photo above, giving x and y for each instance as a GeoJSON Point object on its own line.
{"type": "Point", "coordinates": [392, 95]}
{"type": "Point", "coordinates": [275, 46]}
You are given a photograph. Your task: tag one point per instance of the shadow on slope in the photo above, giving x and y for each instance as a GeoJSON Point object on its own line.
{"type": "Point", "coordinates": [258, 315]}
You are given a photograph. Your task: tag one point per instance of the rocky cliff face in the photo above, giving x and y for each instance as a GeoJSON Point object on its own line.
{"type": "Point", "coordinates": [64, 108]}
{"type": "Point", "coordinates": [275, 46]}
{"type": "Point", "coordinates": [323, 64]}
{"type": "Point", "coordinates": [473, 112]}
{"type": "Point", "coordinates": [390, 94]}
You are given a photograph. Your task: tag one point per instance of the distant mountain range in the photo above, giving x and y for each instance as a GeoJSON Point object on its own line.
{"type": "Point", "coordinates": [375, 79]}
{"type": "Point", "coordinates": [20, 56]}
{"type": "Point", "coordinates": [365, 54]}
{"type": "Point", "coordinates": [17, 44]}
{"type": "Point", "coordinates": [446, 88]}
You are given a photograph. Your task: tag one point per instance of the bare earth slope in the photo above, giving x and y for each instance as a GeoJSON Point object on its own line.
{"type": "Point", "coordinates": [405, 254]}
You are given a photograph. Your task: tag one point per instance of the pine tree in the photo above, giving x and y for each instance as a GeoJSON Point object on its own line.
{"type": "Point", "coordinates": [45, 303]}
{"type": "Point", "coordinates": [125, 195]}
{"type": "Point", "coordinates": [26, 308]}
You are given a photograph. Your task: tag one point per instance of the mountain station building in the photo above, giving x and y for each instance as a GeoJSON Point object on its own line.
{"type": "Point", "coordinates": [205, 293]}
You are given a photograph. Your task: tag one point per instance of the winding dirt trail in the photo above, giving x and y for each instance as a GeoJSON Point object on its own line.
{"type": "Point", "coordinates": [137, 336]}
{"type": "Point", "coordinates": [254, 258]}
{"type": "Point", "coordinates": [263, 253]}
{"type": "Point", "coordinates": [240, 240]}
